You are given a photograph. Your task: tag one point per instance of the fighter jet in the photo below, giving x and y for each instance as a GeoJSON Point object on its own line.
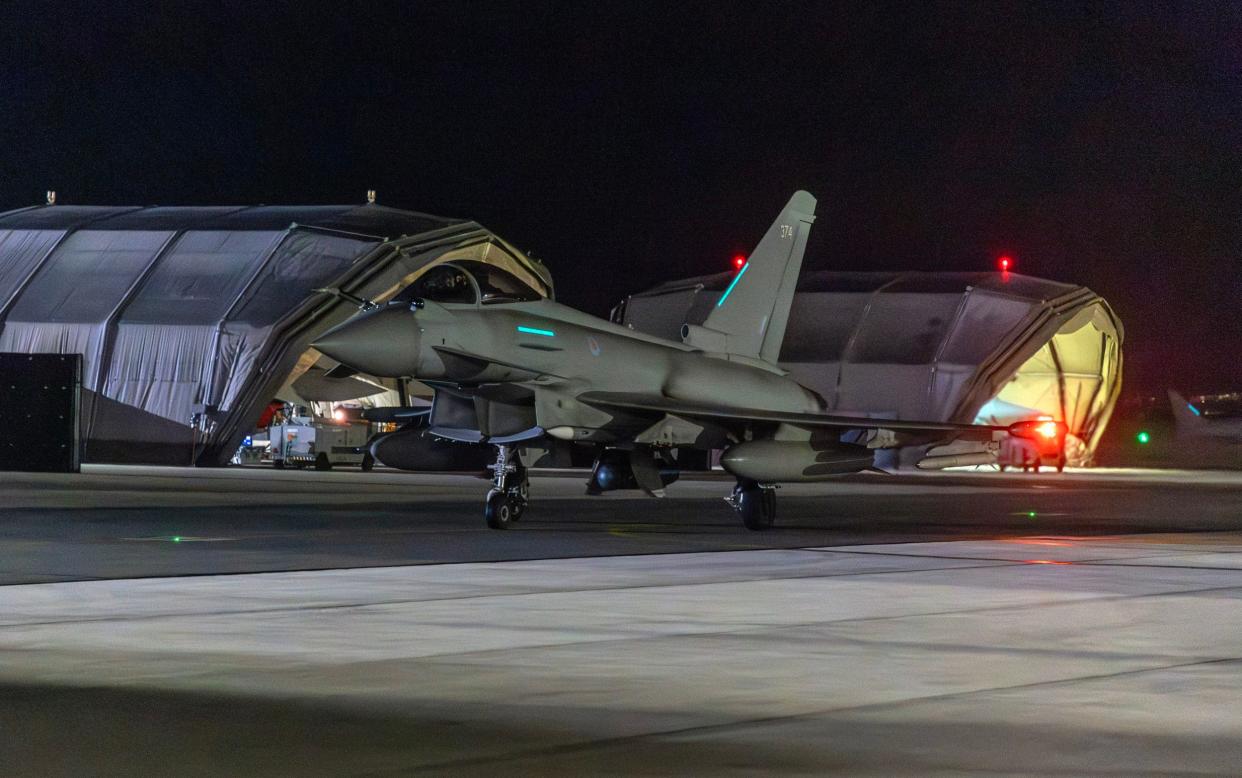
{"type": "Point", "coordinates": [513, 372]}
{"type": "Point", "coordinates": [1192, 423]}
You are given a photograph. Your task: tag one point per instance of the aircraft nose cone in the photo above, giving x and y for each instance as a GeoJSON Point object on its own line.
{"type": "Point", "coordinates": [382, 342]}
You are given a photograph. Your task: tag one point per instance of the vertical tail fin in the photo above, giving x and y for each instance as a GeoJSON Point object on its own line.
{"type": "Point", "coordinates": [1185, 414]}
{"type": "Point", "coordinates": [750, 317]}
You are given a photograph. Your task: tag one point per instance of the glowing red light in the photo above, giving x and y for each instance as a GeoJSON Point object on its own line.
{"type": "Point", "coordinates": [739, 260]}
{"type": "Point", "coordinates": [1035, 429]}
{"type": "Point", "coordinates": [1005, 263]}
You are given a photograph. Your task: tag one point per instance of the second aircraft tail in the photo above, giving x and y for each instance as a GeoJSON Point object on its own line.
{"type": "Point", "coordinates": [1185, 414]}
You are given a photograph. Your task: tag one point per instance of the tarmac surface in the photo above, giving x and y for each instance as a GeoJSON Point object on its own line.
{"type": "Point", "coordinates": [253, 622]}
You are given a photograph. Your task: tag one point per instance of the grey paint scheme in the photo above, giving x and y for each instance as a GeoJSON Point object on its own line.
{"type": "Point", "coordinates": [533, 368]}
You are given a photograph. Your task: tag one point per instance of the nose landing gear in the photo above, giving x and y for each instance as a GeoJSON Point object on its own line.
{"type": "Point", "coordinates": [755, 502]}
{"type": "Point", "coordinates": [506, 501]}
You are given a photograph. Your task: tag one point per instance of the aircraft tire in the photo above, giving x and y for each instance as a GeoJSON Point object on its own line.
{"type": "Point", "coordinates": [498, 511]}
{"type": "Point", "coordinates": [368, 463]}
{"type": "Point", "coordinates": [758, 508]}
{"type": "Point", "coordinates": [322, 462]}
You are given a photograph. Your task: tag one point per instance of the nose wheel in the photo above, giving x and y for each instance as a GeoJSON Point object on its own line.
{"type": "Point", "coordinates": [502, 509]}
{"type": "Point", "coordinates": [506, 502]}
{"type": "Point", "coordinates": [755, 503]}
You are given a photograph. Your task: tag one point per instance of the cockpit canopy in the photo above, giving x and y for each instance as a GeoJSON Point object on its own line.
{"type": "Point", "coordinates": [468, 283]}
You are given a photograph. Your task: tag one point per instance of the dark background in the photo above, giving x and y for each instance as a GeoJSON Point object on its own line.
{"type": "Point", "coordinates": [1095, 143]}
{"type": "Point", "coordinates": [41, 430]}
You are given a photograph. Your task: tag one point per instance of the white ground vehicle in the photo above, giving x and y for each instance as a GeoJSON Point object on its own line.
{"type": "Point", "coordinates": [299, 439]}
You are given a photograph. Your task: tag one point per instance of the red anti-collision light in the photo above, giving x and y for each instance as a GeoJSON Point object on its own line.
{"type": "Point", "coordinates": [1005, 263]}
{"type": "Point", "coordinates": [739, 260]}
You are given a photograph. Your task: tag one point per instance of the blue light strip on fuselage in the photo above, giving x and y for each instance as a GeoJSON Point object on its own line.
{"type": "Point", "coordinates": [534, 331]}
{"type": "Point", "coordinates": [1193, 409]}
{"type": "Point", "coordinates": [729, 291]}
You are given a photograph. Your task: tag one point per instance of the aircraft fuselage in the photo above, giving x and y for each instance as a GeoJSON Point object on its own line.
{"type": "Point", "coordinates": [555, 352]}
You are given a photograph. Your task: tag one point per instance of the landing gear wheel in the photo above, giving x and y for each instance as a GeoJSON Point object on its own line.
{"type": "Point", "coordinates": [758, 509]}
{"type": "Point", "coordinates": [368, 463]}
{"type": "Point", "coordinates": [499, 510]}
{"type": "Point", "coordinates": [322, 462]}
{"type": "Point", "coordinates": [279, 464]}
{"type": "Point", "coordinates": [756, 504]}
{"type": "Point", "coordinates": [506, 502]}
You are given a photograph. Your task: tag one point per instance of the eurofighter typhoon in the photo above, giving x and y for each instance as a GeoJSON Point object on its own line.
{"type": "Point", "coordinates": [510, 372]}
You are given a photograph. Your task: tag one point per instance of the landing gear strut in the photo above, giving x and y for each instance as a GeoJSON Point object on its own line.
{"type": "Point", "coordinates": [756, 504]}
{"type": "Point", "coordinates": [506, 502]}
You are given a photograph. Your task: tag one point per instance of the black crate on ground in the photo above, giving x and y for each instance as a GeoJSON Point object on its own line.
{"type": "Point", "coordinates": [40, 398]}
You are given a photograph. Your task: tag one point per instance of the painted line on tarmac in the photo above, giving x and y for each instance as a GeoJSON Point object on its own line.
{"type": "Point", "coordinates": [177, 539]}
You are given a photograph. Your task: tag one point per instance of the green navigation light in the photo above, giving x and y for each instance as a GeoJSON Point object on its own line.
{"type": "Point", "coordinates": [1143, 438]}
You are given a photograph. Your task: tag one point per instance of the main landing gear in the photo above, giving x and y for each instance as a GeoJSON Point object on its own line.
{"type": "Point", "coordinates": [506, 502]}
{"type": "Point", "coordinates": [755, 502]}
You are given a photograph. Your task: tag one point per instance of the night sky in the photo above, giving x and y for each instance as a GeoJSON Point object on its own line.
{"type": "Point", "coordinates": [1096, 143]}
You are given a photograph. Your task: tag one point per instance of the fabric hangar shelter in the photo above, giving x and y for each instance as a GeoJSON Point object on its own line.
{"type": "Point", "coordinates": [990, 348]}
{"type": "Point", "coordinates": [191, 319]}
